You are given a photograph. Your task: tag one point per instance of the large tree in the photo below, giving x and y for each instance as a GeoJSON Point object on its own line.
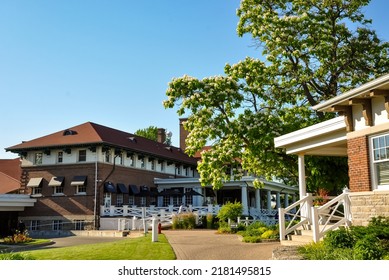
{"type": "Point", "coordinates": [151, 133]}
{"type": "Point", "coordinates": [312, 50]}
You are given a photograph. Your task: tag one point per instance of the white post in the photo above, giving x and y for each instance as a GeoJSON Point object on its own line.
{"type": "Point", "coordinates": [244, 200]}
{"type": "Point", "coordinates": [301, 169]}
{"type": "Point", "coordinates": [258, 199]}
{"type": "Point", "coordinates": [154, 233]}
{"type": "Point", "coordinates": [268, 197]}
{"type": "Point", "coordinates": [278, 200]}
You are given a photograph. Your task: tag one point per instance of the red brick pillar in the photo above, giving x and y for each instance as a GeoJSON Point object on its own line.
{"type": "Point", "coordinates": [358, 163]}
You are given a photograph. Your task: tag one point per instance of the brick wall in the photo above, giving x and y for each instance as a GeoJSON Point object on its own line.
{"type": "Point", "coordinates": [358, 161]}
{"type": "Point", "coordinates": [71, 206]}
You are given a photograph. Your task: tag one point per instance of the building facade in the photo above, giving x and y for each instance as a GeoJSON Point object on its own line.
{"type": "Point", "coordinates": [71, 173]}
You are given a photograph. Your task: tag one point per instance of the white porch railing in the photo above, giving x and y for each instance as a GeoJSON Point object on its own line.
{"type": "Point", "coordinates": [166, 214]}
{"type": "Point", "coordinates": [322, 219]}
{"type": "Point", "coordinates": [331, 215]}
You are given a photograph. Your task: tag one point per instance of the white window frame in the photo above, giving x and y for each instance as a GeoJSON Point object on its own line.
{"type": "Point", "coordinates": [34, 225]}
{"type": "Point", "coordinates": [60, 157]}
{"type": "Point", "coordinates": [374, 162]}
{"type": "Point", "coordinates": [81, 189]}
{"type": "Point", "coordinates": [38, 158]}
{"type": "Point", "coordinates": [58, 190]}
{"type": "Point", "coordinates": [119, 199]}
{"type": "Point", "coordinates": [82, 157]}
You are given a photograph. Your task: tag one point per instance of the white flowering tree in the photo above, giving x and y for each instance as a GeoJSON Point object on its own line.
{"type": "Point", "coordinates": [311, 51]}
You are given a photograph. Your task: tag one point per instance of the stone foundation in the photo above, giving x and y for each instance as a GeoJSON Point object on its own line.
{"type": "Point", "coordinates": [366, 205]}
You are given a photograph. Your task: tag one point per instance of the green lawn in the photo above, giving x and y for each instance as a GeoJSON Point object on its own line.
{"type": "Point", "coordinates": [126, 249]}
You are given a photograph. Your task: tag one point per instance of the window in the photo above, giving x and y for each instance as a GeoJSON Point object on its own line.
{"type": "Point", "coordinates": [82, 155]}
{"type": "Point", "coordinates": [79, 224]}
{"type": "Point", "coordinates": [153, 165]}
{"type": "Point", "coordinates": [132, 161]}
{"type": "Point", "coordinates": [80, 189]}
{"type": "Point", "coordinates": [178, 167]}
{"type": "Point", "coordinates": [380, 158]}
{"type": "Point", "coordinates": [58, 189]}
{"type": "Point", "coordinates": [188, 197]}
{"type": "Point", "coordinates": [119, 200]}
{"type": "Point", "coordinates": [162, 166]}
{"type": "Point", "coordinates": [60, 157]}
{"type": "Point", "coordinates": [166, 201]}
{"type": "Point", "coordinates": [131, 200]}
{"type": "Point", "coordinates": [38, 158]}
{"type": "Point", "coordinates": [34, 225]}
{"type": "Point", "coordinates": [142, 201]}
{"type": "Point", "coordinates": [57, 225]}
{"type": "Point", "coordinates": [142, 162]}
{"type": "Point", "coordinates": [108, 156]}
{"type": "Point", "coordinates": [107, 200]}
{"type": "Point", "coordinates": [36, 190]}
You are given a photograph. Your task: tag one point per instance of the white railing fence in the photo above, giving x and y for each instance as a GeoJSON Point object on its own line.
{"type": "Point", "coordinates": [133, 217]}
{"type": "Point", "coordinates": [329, 216]}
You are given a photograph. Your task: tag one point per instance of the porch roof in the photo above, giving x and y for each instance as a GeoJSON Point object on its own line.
{"type": "Point", "coordinates": [15, 202]}
{"type": "Point", "coordinates": [379, 86]}
{"type": "Point", "coordinates": [328, 138]}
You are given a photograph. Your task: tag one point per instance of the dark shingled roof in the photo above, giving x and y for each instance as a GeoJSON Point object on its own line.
{"type": "Point", "coordinates": [92, 134]}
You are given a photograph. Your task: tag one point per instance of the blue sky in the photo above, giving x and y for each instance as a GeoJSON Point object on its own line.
{"type": "Point", "coordinates": [63, 63]}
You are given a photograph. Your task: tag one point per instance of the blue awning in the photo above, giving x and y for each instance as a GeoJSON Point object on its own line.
{"type": "Point", "coordinates": [121, 188]}
{"type": "Point", "coordinates": [109, 187]}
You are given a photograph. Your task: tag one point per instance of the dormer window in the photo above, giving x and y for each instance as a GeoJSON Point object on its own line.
{"type": "Point", "coordinates": [68, 132]}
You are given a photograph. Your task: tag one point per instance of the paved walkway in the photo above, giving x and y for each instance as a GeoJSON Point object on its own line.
{"type": "Point", "coordinates": [208, 245]}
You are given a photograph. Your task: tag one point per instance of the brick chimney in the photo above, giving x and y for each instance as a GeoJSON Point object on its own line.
{"type": "Point", "coordinates": [183, 134]}
{"type": "Point", "coordinates": [161, 137]}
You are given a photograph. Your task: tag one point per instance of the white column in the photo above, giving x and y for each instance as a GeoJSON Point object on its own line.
{"type": "Point", "coordinates": [244, 200]}
{"type": "Point", "coordinates": [268, 197]}
{"type": "Point", "coordinates": [286, 200]}
{"type": "Point", "coordinates": [258, 199]}
{"type": "Point", "coordinates": [278, 200]}
{"type": "Point", "coordinates": [301, 169]}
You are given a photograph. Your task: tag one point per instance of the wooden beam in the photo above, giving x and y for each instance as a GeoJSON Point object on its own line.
{"type": "Point", "coordinates": [347, 112]}
{"type": "Point", "coordinates": [366, 109]}
{"type": "Point", "coordinates": [384, 93]}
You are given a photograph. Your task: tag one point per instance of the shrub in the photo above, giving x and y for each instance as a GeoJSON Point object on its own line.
{"type": "Point", "coordinates": [230, 211]}
{"type": "Point", "coordinates": [269, 234]}
{"type": "Point", "coordinates": [18, 237]}
{"type": "Point", "coordinates": [252, 239]}
{"type": "Point", "coordinates": [341, 238]}
{"type": "Point", "coordinates": [15, 256]}
{"type": "Point", "coordinates": [368, 248]}
{"type": "Point", "coordinates": [184, 221]}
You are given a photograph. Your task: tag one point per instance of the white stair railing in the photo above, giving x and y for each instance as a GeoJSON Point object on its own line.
{"type": "Point", "coordinates": [331, 215]}
{"type": "Point", "coordinates": [296, 214]}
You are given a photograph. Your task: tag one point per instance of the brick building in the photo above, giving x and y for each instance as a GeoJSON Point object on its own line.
{"type": "Point", "coordinates": [72, 172]}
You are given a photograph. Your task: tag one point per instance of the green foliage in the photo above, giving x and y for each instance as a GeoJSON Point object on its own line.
{"type": "Point", "coordinates": [184, 221]}
{"type": "Point", "coordinates": [368, 248]}
{"type": "Point", "coordinates": [15, 256]}
{"type": "Point", "coordinates": [230, 211]}
{"type": "Point", "coordinates": [252, 239]}
{"type": "Point", "coordinates": [258, 231]}
{"type": "Point", "coordinates": [151, 133]}
{"type": "Point", "coordinates": [313, 50]}
{"type": "Point", "coordinates": [341, 238]}
{"type": "Point", "coordinates": [357, 243]}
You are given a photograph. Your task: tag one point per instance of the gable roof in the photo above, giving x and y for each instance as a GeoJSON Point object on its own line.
{"type": "Point", "coordinates": [92, 134]}
{"type": "Point", "coordinates": [8, 184]}
{"type": "Point", "coordinates": [11, 167]}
